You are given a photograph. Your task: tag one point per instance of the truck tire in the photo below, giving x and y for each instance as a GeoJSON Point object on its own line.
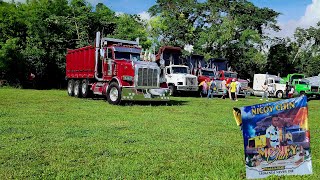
{"type": "Point", "coordinates": [77, 89]}
{"type": "Point", "coordinates": [114, 94]}
{"type": "Point", "coordinates": [85, 90]}
{"type": "Point", "coordinates": [70, 87]}
{"type": "Point", "coordinates": [279, 94]}
{"type": "Point", "coordinates": [173, 90]}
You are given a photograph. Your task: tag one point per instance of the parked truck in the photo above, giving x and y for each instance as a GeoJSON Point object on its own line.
{"type": "Point", "coordinates": [198, 67]}
{"type": "Point", "coordinates": [276, 89]}
{"type": "Point", "coordinates": [301, 84]}
{"type": "Point", "coordinates": [176, 74]}
{"type": "Point", "coordinates": [224, 72]}
{"type": "Point", "coordinates": [112, 69]}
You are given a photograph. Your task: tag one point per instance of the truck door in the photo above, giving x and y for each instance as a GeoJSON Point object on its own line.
{"type": "Point", "coordinates": [108, 64]}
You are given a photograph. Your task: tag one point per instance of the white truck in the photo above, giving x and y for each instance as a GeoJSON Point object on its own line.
{"type": "Point", "coordinates": [179, 79]}
{"type": "Point", "coordinates": [274, 87]}
{"type": "Point", "coordinates": [177, 76]}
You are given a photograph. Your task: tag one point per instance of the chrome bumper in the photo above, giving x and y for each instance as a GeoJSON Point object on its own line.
{"type": "Point", "coordinates": [132, 94]}
{"type": "Point", "coordinates": [187, 88]}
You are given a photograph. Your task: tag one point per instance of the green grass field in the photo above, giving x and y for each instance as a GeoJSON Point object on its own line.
{"type": "Point", "coordinates": [47, 134]}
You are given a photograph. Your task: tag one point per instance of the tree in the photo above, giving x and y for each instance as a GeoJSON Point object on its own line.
{"type": "Point", "coordinates": [229, 29]}
{"type": "Point", "coordinates": [306, 57]}
{"type": "Point", "coordinates": [130, 27]}
{"type": "Point", "coordinates": [279, 59]}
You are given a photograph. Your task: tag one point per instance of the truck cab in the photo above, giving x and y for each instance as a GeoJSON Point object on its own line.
{"type": "Point", "coordinates": [176, 74]}
{"type": "Point", "coordinates": [301, 85]}
{"type": "Point", "coordinates": [229, 75]}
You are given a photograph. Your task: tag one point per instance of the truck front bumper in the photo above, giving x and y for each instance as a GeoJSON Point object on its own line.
{"type": "Point", "coordinates": [187, 88]}
{"type": "Point", "coordinates": [133, 94]}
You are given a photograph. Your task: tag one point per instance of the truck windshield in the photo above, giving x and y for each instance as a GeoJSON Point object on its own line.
{"type": "Point", "coordinates": [177, 70]}
{"type": "Point", "coordinates": [277, 81]}
{"type": "Point", "coordinates": [304, 82]}
{"type": "Point", "coordinates": [207, 73]}
{"type": "Point", "coordinates": [230, 75]}
{"type": "Point", "coordinates": [127, 56]}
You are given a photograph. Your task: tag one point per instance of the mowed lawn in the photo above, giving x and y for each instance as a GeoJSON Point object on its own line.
{"type": "Point", "coordinates": [47, 134]}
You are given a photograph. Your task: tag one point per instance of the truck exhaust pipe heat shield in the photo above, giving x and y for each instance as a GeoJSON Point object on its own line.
{"type": "Point", "coordinates": [97, 56]}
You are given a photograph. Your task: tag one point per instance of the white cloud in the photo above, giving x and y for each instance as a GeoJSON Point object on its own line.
{"type": "Point", "coordinates": [310, 18]}
{"type": "Point", "coordinates": [144, 16]}
{"type": "Point", "coordinates": [119, 13]}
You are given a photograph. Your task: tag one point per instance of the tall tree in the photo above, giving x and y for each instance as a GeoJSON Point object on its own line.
{"type": "Point", "coordinates": [307, 57]}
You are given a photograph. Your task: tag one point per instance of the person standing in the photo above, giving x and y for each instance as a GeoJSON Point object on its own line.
{"type": "Point", "coordinates": [238, 88]}
{"type": "Point", "coordinates": [224, 89]}
{"type": "Point", "coordinates": [273, 133]}
{"type": "Point", "coordinates": [233, 89]}
{"type": "Point", "coordinates": [212, 88]}
{"type": "Point", "coordinates": [287, 89]}
{"type": "Point", "coordinates": [204, 85]}
{"type": "Point", "coordinates": [290, 94]}
{"type": "Point", "coordinates": [265, 92]}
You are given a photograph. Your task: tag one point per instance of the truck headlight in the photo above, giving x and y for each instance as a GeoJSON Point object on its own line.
{"type": "Point", "coordinates": [127, 78]}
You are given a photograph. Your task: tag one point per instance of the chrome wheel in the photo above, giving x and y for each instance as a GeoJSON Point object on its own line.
{"type": "Point", "coordinates": [114, 94]}
{"type": "Point", "coordinates": [280, 94]}
{"type": "Point", "coordinates": [70, 87]}
{"type": "Point", "coordinates": [77, 88]}
{"type": "Point", "coordinates": [84, 88]}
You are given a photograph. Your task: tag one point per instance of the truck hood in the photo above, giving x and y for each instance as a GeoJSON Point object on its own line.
{"type": "Point", "coordinates": [182, 76]}
{"type": "Point", "coordinates": [145, 63]}
{"type": "Point", "coordinates": [203, 78]}
{"type": "Point", "coordinates": [242, 80]}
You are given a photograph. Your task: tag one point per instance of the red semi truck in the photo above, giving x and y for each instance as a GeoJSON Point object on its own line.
{"type": "Point", "coordinates": [113, 69]}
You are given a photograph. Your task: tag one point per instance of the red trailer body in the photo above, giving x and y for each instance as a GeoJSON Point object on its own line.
{"type": "Point", "coordinates": [112, 68]}
{"type": "Point", "coordinates": [80, 63]}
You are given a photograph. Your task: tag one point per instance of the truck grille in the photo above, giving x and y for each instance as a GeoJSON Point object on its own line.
{"type": "Point", "coordinates": [244, 85]}
{"type": "Point", "coordinates": [191, 81]}
{"type": "Point", "coordinates": [147, 77]}
{"type": "Point", "coordinates": [314, 89]}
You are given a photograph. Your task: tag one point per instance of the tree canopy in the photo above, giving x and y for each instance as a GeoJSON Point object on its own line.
{"type": "Point", "coordinates": [35, 36]}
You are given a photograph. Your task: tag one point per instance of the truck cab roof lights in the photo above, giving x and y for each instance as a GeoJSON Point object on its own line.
{"type": "Point", "coordinates": [107, 41]}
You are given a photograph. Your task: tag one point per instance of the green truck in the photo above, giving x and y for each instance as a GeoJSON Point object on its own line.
{"type": "Point", "coordinates": [301, 85]}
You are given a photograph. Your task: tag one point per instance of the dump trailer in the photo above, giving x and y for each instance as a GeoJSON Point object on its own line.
{"type": "Point", "coordinates": [113, 69]}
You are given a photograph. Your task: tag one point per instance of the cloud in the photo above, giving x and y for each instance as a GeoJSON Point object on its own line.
{"type": "Point", "coordinates": [144, 16]}
{"type": "Point", "coordinates": [119, 13]}
{"type": "Point", "coordinates": [310, 18]}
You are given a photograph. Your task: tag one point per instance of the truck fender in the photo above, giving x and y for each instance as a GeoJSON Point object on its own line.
{"type": "Point", "coordinates": [116, 79]}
